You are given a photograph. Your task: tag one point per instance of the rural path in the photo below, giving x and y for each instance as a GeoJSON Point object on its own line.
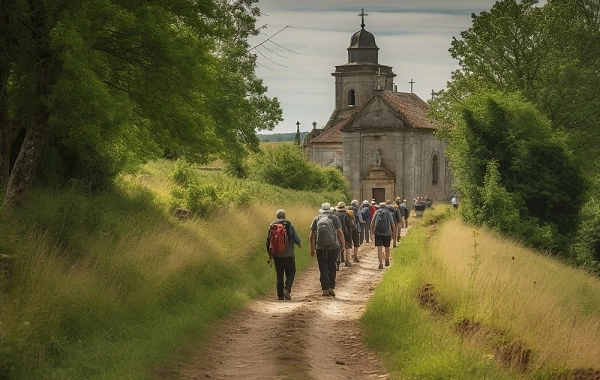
{"type": "Point", "coordinates": [307, 337]}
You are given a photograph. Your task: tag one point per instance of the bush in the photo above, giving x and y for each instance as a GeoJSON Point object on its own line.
{"type": "Point", "coordinates": [285, 165]}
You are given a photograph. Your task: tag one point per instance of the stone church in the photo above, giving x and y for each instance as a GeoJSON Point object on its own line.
{"type": "Point", "coordinates": [381, 139]}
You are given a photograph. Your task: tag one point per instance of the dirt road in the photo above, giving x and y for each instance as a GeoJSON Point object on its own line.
{"type": "Point", "coordinates": [307, 337]}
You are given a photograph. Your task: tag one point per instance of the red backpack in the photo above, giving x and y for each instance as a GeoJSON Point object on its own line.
{"type": "Point", "coordinates": [278, 238]}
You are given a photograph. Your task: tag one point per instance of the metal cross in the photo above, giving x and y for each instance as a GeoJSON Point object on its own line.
{"type": "Point", "coordinates": [411, 85]}
{"type": "Point", "coordinates": [362, 14]}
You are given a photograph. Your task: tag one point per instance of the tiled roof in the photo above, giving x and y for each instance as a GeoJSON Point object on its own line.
{"type": "Point", "coordinates": [331, 135]}
{"type": "Point", "coordinates": [412, 107]}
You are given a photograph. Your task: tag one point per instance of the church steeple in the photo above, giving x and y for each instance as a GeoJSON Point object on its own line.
{"type": "Point", "coordinates": [363, 48]}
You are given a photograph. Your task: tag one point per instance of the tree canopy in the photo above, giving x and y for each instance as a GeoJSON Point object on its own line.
{"type": "Point", "coordinates": [90, 89]}
{"type": "Point", "coordinates": [523, 113]}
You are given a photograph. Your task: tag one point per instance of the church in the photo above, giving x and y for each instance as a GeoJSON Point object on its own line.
{"type": "Point", "coordinates": [381, 139]}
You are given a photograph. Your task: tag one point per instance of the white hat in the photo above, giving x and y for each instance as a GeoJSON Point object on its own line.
{"type": "Point", "coordinates": [365, 202]}
{"type": "Point", "coordinates": [325, 207]}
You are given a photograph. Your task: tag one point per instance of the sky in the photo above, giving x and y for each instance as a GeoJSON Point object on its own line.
{"type": "Point", "coordinates": [303, 41]}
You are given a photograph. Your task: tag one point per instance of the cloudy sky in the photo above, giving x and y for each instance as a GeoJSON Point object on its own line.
{"type": "Point", "coordinates": [310, 37]}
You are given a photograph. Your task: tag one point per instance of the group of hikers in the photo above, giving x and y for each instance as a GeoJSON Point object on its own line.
{"type": "Point", "coordinates": [335, 236]}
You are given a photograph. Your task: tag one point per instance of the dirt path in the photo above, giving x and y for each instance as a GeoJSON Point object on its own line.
{"type": "Point", "coordinates": [308, 337]}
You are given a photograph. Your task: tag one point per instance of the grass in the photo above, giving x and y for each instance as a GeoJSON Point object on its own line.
{"type": "Point", "coordinates": [522, 314]}
{"type": "Point", "coordinates": [111, 286]}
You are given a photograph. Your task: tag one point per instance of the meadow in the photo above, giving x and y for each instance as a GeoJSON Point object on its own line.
{"type": "Point", "coordinates": [113, 286]}
{"type": "Point", "coordinates": [464, 303]}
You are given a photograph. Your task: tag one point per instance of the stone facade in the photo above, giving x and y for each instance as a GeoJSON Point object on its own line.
{"type": "Point", "coordinates": [381, 139]}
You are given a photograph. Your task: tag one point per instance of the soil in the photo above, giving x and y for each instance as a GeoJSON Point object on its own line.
{"type": "Point", "coordinates": [308, 337]}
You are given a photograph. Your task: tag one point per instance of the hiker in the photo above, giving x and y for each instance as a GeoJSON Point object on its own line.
{"type": "Point", "coordinates": [324, 244]}
{"type": "Point", "coordinates": [383, 228]}
{"type": "Point", "coordinates": [285, 262]}
{"type": "Point", "coordinates": [365, 212]}
{"type": "Point", "coordinates": [454, 202]}
{"type": "Point", "coordinates": [358, 226]}
{"type": "Point", "coordinates": [346, 222]}
{"type": "Point", "coordinates": [406, 214]}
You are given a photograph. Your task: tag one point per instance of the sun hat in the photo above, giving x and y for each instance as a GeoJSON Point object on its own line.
{"type": "Point", "coordinates": [325, 207]}
{"type": "Point", "coordinates": [365, 202]}
{"type": "Point", "coordinates": [383, 204]}
{"type": "Point", "coordinates": [341, 206]}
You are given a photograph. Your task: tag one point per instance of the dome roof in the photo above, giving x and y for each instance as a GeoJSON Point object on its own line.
{"type": "Point", "coordinates": [363, 39]}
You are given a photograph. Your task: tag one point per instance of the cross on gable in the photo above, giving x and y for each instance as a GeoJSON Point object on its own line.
{"type": "Point", "coordinates": [363, 14]}
{"type": "Point", "coordinates": [411, 85]}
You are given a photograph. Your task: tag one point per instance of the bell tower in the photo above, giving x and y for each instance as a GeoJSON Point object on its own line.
{"type": "Point", "coordinates": [356, 80]}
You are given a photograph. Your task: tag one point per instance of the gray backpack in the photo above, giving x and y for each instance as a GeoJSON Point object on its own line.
{"type": "Point", "coordinates": [326, 236]}
{"type": "Point", "coordinates": [382, 223]}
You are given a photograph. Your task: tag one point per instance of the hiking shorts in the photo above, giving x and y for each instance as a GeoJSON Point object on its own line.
{"type": "Point", "coordinates": [381, 240]}
{"type": "Point", "coordinates": [355, 238]}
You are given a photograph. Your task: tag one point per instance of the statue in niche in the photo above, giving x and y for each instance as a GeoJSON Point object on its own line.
{"type": "Point", "coordinates": [378, 156]}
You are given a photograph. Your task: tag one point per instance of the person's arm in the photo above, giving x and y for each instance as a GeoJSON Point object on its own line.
{"type": "Point", "coordinates": [372, 226]}
{"type": "Point", "coordinates": [340, 234]}
{"type": "Point", "coordinates": [312, 243]}
{"type": "Point", "coordinates": [295, 236]}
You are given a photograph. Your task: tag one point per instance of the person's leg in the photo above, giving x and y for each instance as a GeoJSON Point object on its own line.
{"type": "Point", "coordinates": [386, 246]}
{"type": "Point", "coordinates": [378, 244]}
{"type": "Point", "coordinates": [290, 274]}
{"type": "Point", "coordinates": [323, 270]}
{"type": "Point", "coordinates": [367, 233]}
{"type": "Point", "coordinates": [279, 269]}
{"type": "Point", "coordinates": [332, 272]}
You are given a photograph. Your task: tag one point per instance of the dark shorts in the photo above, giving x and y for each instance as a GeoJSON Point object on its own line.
{"type": "Point", "coordinates": [348, 240]}
{"type": "Point", "coordinates": [355, 238]}
{"type": "Point", "coordinates": [382, 240]}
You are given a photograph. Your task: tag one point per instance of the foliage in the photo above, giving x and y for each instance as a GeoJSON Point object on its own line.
{"type": "Point", "coordinates": [93, 273]}
{"type": "Point", "coordinates": [123, 83]}
{"type": "Point", "coordinates": [513, 173]}
{"type": "Point", "coordinates": [286, 165]}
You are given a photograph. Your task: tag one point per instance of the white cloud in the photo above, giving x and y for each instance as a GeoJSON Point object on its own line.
{"type": "Point", "coordinates": [413, 37]}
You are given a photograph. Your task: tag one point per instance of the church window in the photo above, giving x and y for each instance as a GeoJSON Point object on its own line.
{"type": "Point", "coordinates": [435, 170]}
{"type": "Point", "coordinates": [351, 98]}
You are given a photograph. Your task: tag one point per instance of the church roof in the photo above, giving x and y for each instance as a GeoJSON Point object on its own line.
{"type": "Point", "coordinates": [331, 135]}
{"type": "Point", "coordinates": [363, 39]}
{"type": "Point", "coordinates": [412, 107]}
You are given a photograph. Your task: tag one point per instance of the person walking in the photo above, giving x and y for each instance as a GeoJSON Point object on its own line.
{"type": "Point", "coordinates": [324, 244]}
{"type": "Point", "coordinates": [383, 228]}
{"type": "Point", "coordinates": [365, 212]}
{"type": "Point", "coordinates": [285, 262]}
{"type": "Point", "coordinates": [358, 226]}
{"type": "Point", "coordinates": [454, 202]}
{"type": "Point", "coordinates": [346, 222]}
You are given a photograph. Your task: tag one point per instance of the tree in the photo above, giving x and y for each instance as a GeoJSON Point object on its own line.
{"type": "Point", "coordinates": [513, 172]}
{"type": "Point", "coordinates": [118, 82]}
{"type": "Point", "coordinates": [550, 54]}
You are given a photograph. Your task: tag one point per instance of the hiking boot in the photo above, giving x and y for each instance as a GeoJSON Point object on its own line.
{"type": "Point", "coordinates": [347, 263]}
{"type": "Point", "coordinates": [280, 298]}
{"type": "Point", "coordinates": [326, 292]}
{"type": "Point", "coordinates": [387, 264]}
{"type": "Point", "coordinates": [355, 259]}
{"type": "Point", "coordinates": [380, 266]}
{"type": "Point", "coordinates": [331, 292]}
{"type": "Point", "coordinates": [286, 294]}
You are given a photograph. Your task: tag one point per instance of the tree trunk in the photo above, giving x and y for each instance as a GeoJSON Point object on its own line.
{"type": "Point", "coordinates": [47, 69]}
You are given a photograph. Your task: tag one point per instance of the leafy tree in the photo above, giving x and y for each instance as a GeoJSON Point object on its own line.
{"type": "Point", "coordinates": [513, 173]}
{"type": "Point", "coordinates": [550, 54]}
{"type": "Point", "coordinates": [95, 87]}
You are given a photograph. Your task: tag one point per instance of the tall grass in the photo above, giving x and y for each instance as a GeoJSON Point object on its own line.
{"type": "Point", "coordinates": [509, 293]}
{"type": "Point", "coordinates": [110, 286]}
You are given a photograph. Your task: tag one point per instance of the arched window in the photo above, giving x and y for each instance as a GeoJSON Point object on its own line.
{"type": "Point", "coordinates": [435, 170]}
{"type": "Point", "coordinates": [351, 97]}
